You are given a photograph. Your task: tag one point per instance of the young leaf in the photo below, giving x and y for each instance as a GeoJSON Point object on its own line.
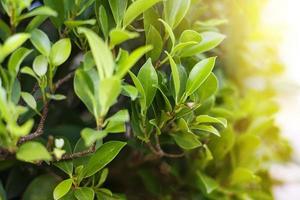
{"type": "Point", "coordinates": [29, 99]}
{"type": "Point", "coordinates": [148, 78]}
{"type": "Point", "coordinates": [137, 8]}
{"type": "Point", "coordinates": [190, 36]}
{"type": "Point", "coordinates": [60, 51]}
{"type": "Point", "coordinates": [101, 53]}
{"type": "Point", "coordinates": [175, 76]}
{"type": "Point", "coordinates": [117, 36]}
{"type": "Point", "coordinates": [67, 165]}
{"type": "Point", "coordinates": [153, 38]}
{"type": "Point", "coordinates": [109, 88]}
{"type": "Point", "coordinates": [209, 41]}
{"type": "Point", "coordinates": [168, 30]}
{"type": "Point", "coordinates": [84, 193]}
{"type": "Point", "coordinates": [32, 151]}
{"type": "Point", "coordinates": [40, 65]}
{"type": "Point", "coordinates": [207, 128]}
{"type": "Point", "coordinates": [42, 10]}
{"type": "Point", "coordinates": [124, 67]}
{"type": "Point", "coordinates": [16, 59]}
{"type": "Point", "coordinates": [175, 10]}
{"type": "Point", "coordinates": [90, 135]}
{"type": "Point", "coordinates": [41, 42]}
{"type": "Point", "coordinates": [75, 23]}
{"type": "Point", "coordinates": [118, 8]}
{"type": "Point", "coordinates": [29, 71]}
{"type": "Point", "coordinates": [62, 188]}
{"type": "Point", "coordinates": [129, 91]}
{"type": "Point", "coordinates": [103, 19]}
{"type": "Point", "coordinates": [208, 119]}
{"type": "Point", "coordinates": [186, 140]}
{"type": "Point", "coordinates": [206, 183]}
{"type": "Point", "coordinates": [208, 88]}
{"type": "Point", "coordinates": [104, 155]}
{"type": "Point", "coordinates": [199, 74]}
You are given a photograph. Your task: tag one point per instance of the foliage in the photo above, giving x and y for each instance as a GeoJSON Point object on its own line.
{"type": "Point", "coordinates": [145, 78]}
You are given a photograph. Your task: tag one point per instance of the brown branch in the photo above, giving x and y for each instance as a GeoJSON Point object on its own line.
{"type": "Point", "coordinates": [40, 129]}
{"type": "Point", "coordinates": [63, 80]}
{"type": "Point", "coordinates": [80, 154]}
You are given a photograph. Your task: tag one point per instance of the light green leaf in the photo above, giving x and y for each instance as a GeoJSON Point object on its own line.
{"type": "Point", "coordinates": [140, 89]}
{"type": "Point", "coordinates": [190, 36]}
{"type": "Point", "coordinates": [32, 151]}
{"type": "Point", "coordinates": [148, 78]}
{"type": "Point", "coordinates": [42, 10]}
{"type": "Point", "coordinates": [243, 175]}
{"type": "Point", "coordinates": [66, 165]}
{"type": "Point", "coordinates": [130, 91]}
{"type": "Point", "coordinates": [101, 53]}
{"type": "Point", "coordinates": [40, 65]}
{"type": "Point", "coordinates": [29, 99]}
{"type": "Point", "coordinates": [206, 183]}
{"type": "Point", "coordinates": [199, 74]}
{"type": "Point", "coordinates": [168, 30]}
{"type": "Point", "coordinates": [186, 140]}
{"type": "Point", "coordinates": [137, 8]}
{"type": "Point", "coordinates": [117, 36]}
{"type": "Point", "coordinates": [208, 88]}
{"type": "Point", "coordinates": [103, 19]}
{"type": "Point", "coordinates": [104, 155]}
{"type": "Point", "coordinates": [153, 38]}
{"type": "Point", "coordinates": [209, 41]}
{"type": "Point", "coordinates": [75, 23]}
{"type": "Point", "coordinates": [207, 128]}
{"type": "Point", "coordinates": [175, 76]}
{"type": "Point", "coordinates": [84, 89]}
{"type": "Point", "coordinates": [120, 116]}
{"type": "Point", "coordinates": [60, 51]}
{"type": "Point", "coordinates": [35, 23]}
{"type": "Point", "coordinates": [214, 120]}
{"type": "Point", "coordinates": [62, 188]}
{"type": "Point", "coordinates": [109, 90]}
{"type": "Point", "coordinates": [41, 42]}
{"type": "Point", "coordinates": [128, 63]}
{"type": "Point", "coordinates": [12, 43]}
{"type": "Point", "coordinates": [84, 193]}
{"type": "Point", "coordinates": [175, 10]}
{"type": "Point", "coordinates": [29, 71]}
{"type": "Point", "coordinates": [56, 97]}
{"type": "Point", "coordinates": [16, 59]}
{"type": "Point", "coordinates": [118, 8]}
{"type": "Point", "coordinates": [90, 136]}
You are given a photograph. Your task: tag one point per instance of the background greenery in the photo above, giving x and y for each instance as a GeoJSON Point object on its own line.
{"type": "Point", "coordinates": [81, 79]}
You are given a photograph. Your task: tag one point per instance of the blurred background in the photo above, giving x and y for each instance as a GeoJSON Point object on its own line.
{"type": "Point", "coordinates": [282, 17]}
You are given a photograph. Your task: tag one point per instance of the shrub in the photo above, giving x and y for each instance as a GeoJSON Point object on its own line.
{"type": "Point", "coordinates": [87, 82]}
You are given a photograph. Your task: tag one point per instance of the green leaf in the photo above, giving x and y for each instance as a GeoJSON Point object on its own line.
{"type": "Point", "coordinates": [84, 193]}
{"type": "Point", "coordinates": [186, 140]}
{"type": "Point", "coordinates": [175, 76]}
{"type": "Point", "coordinates": [41, 188]}
{"type": "Point", "coordinates": [58, 6]}
{"type": "Point", "coordinates": [60, 51]}
{"type": "Point", "coordinates": [137, 8]}
{"type": "Point", "coordinates": [41, 42]}
{"type": "Point", "coordinates": [153, 38]}
{"type": "Point", "coordinates": [62, 188]}
{"type": "Point", "coordinates": [148, 78]}
{"type": "Point", "coordinates": [75, 23]}
{"type": "Point", "coordinates": [90, 136]}
{"type": "Point", "coordinates": [103, 19]}
{"type": "Point", "coordinates": [42, 10]}
{"type": "Point", "coordinates": [209, 41]}
{"type": "Point", "coordinates": [175, 10]}
{"type": "Point", "coordinates": [168, 30]}
{"type": "Point", "coordinates": [29, 99]}
{"type": "Point", "coordinates": [190, 36]}
{"type": "Point", "coordinates": [117, 36]}
{"type": "Point", "coordinates": [29, 71]}
{"type": "Point", "coordinates": [40, 65]}
{"type": "Point", "coordinates": [56, 97]}
{"type": "Point", "coordinates": [140, 89]}
{"type": "Point", "coordinates": [207, 128]}
{"type": "Point", "coordinates": [118, 8]}
{"type": "Point", "coordinates": [67, 165]}
{"type": "Point", "coordinates": [199, 74]}
{"type": "Point", "coordinates": [104, 155]}
{"type": "Point", "coordinates": [206, 183]}
{"type": "Point", "coordinates": [243, 175]}
{"type": "Point", "coordinates": [16, 59]}
{"type": "Point", "coordinates": [2, 192]}
{"type": "Point", "coordinates": [208, 88]}
{"type": "Point", "coordinates": [35, 23]}
{"type": "Point", "coordinates": [12, 43]}
{"type": "Point", "coordinates": [101, 53]}
{"type": "Point", "coordinates": [32, 151]}
{"type": "Point", "coordinates": [208, 119]}
{"type": "Point", "coordinates": [120, 116]}
{"type": "Point", "coordinates": [130, 91]}
{"type": "Point", "coordinates": [128, 63]}
{"type": "Point", "coordinates": [84, 89]}
{"type": "Point", "coordinates": [109, 88]}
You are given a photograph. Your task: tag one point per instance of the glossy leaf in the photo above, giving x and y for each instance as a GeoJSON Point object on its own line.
{"type": "Point", "coordinates": [118, 8]}
{"type": "Point", "coordinates": [175, 10]}
{"type": "Point", "coordinates": [175, 76]}
{"type": "Point", "coordinates": [16, 59]}
{"type": "Point", "coordinates": [104, 155]}
{"type": "Point", "coordinates": [103, 19]}
{"type": "Point", "coordinates": [41, 42]}
{"type": "Point", "coordinates": [117, 36]}
{"type": "Point", "coordinates": [137, 8]}
{"type": "Point", "coordinates": [60, 52]}
{"type": "Point", "coordinates": [84, 193]}
{"type": "Point", "coordinates": [208, 119]}
{"type": "Point", "coordinates": [42, 10]}
{"type": "Point", "coordinates": [207, 184]}
{"type": "Point", "coordinates": [29, 99]}
{"type": "Point", "coordinates": [199, 74]}
{"type": "Point", "coordinates": [32, 151]}
{"type": "Point", "coordinates": [62, 189]}
{"type": "Point", "coordinates": [186, 140]}
{"type": "Point", "coordinates": [153, 38]}
{"type": "Point", "coordinates": [40, 65]}
{"type": "Point", "coordinates": [90, 136]}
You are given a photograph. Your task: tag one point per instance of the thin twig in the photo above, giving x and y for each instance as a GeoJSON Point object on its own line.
{"type": "Point", "coordinates": [63, 80]}
{"type": "Point", "coordinates": [40, 129]}
{"type": "Point", "coordinates": [80, 154]}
